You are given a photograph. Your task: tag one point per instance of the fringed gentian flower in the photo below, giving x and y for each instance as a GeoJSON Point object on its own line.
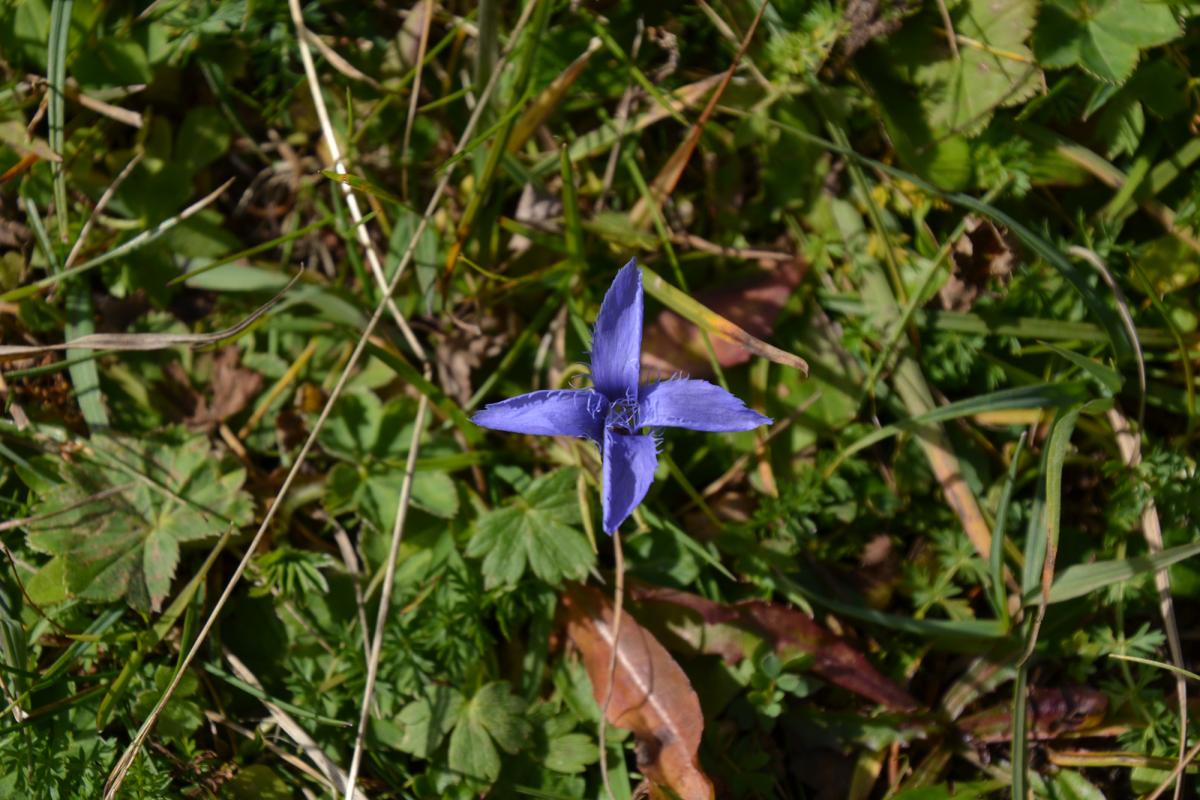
{"type": "Point", "coordinates": [615, 411]}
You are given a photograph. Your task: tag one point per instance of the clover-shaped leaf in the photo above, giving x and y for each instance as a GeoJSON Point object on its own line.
{"type": "Point", "coordinates": [539, 530]}
{"type": "Point", "coordinates": [493, 718]}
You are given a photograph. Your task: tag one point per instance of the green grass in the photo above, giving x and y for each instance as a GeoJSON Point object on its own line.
{"type": "Point", "coordinates": [257, 549]}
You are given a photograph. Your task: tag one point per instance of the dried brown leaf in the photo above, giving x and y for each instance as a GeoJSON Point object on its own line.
{"type": "Point", "coordinates": [651, 695]}
{"type": "Point", "coordinates": [980, 255]}
{"type": "Point", "coordinates": [232, 388]}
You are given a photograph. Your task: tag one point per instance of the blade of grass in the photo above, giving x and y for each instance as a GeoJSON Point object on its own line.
{"type": "Point", "coordinates": [1018, 327]}
{"type": "Point", "coordinates": [999, 597]}
{"type": "Point", "coordinates": [1020, 731]}
{"type": "Point", "coordinates": [1079, 580]}
{"type": "Point", "coordinates": [339, 174]}
{"type": "Point", "coordinates": [426, 12]}
{"type": "Point", "coordinates": [1115, 178]}
{"type": "Point", "coordinates": [56, 69]}
{"type": "Point", "coordinates": [1159, 664]}
{"type": "Point", "coordinates": [258, 693]}
{"type": "Point", "coordinates": [262, 247]}
{"type": "Point", "coordinates": [550, 98]}
{"type": "Point", "coordinates": [968, 632]}
{"type": "Point", "coordinates": [98, 209]}
{"type": "Point", "coordinates": [146, 341]}
{"type": "Point", "coordinates": [1041, 551]}
{"type": "Point", "coordinates": [664, 242]}
{"type": "Point", "coordinates": [142, 239]}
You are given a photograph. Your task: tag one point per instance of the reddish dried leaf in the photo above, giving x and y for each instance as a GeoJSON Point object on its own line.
{"type": "Point", "coordinates": [651, 696]}
{"type": "Point", "coordinates": [732, 631]}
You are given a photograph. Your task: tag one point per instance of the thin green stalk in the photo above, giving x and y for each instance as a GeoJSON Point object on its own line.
{"type": "Point", "coordinates": [56, 68]}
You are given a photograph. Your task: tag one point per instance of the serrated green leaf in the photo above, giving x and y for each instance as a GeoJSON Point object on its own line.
{"type": "Point", "coordinates": [493, 718]}
{"type": "Point", "coordinates": [182, 715]}
{"type": "Point", "coordinates": [539, 529]}
{"type": "Point", "coordinates": [159, 557]}
{"type": "Point", "coordinates": [434, 492]}
{"type": "Point", "coordinates": [1104, 37]}
{"type": "Point", "coordinates": [502, 714]}
{"type": "Point", "coordinates": [993, 67]}
{"type": "Point", "coordinates": [49, 584]}
{"type": "Point", "coordinates": [126, 542]}
{"type": "Point", "coordinates": [570, 753]}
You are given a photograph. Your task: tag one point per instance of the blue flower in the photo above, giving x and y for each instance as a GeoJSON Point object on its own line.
{"type": "Point", "coordinates": [614, 411]}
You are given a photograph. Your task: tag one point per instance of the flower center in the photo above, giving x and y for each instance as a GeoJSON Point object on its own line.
{"type": "Point", "coordinates": [622, 417]}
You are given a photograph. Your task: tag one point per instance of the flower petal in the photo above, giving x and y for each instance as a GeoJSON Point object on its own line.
{"type": "Point", "coordinates": [629, 463]}
{"type": "Point", "coordinates": [617, 340]}
{"type": "Point", "coordinates": [694, 404]}
{"type": "Point", "coordinates": [562, 412]}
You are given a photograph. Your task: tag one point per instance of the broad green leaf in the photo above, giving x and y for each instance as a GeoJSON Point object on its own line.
{"type": "Point", "coordinates": [571, 752]}
{"type": "Point", "coordinates": [493, 718]}
{"type": "Point", "coordinates": [203, 137]}
{"type": "Point", "coordinates": [993, 67]}
{"type": "Point", "coordinates": [472, 753]}
{"type": "Point", "coordinates": [1121, 125]}
{"type": "Point", "coordinates": [502, 714]}
{"type": "Point", "coordinates": [373, 440]}
{"type": "Point", "coordinates": [1104, 37]}
{"type": "Point", "coordinates": [539, 529]}
{"type": "Point", "coordinates": [353, 428]}
{"type": "Point", "coordinates": [426, 721]}
{"type": "Point", "coordinates": [160, 493]}
{"type": "Point", "coordinates": [111, 61]}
